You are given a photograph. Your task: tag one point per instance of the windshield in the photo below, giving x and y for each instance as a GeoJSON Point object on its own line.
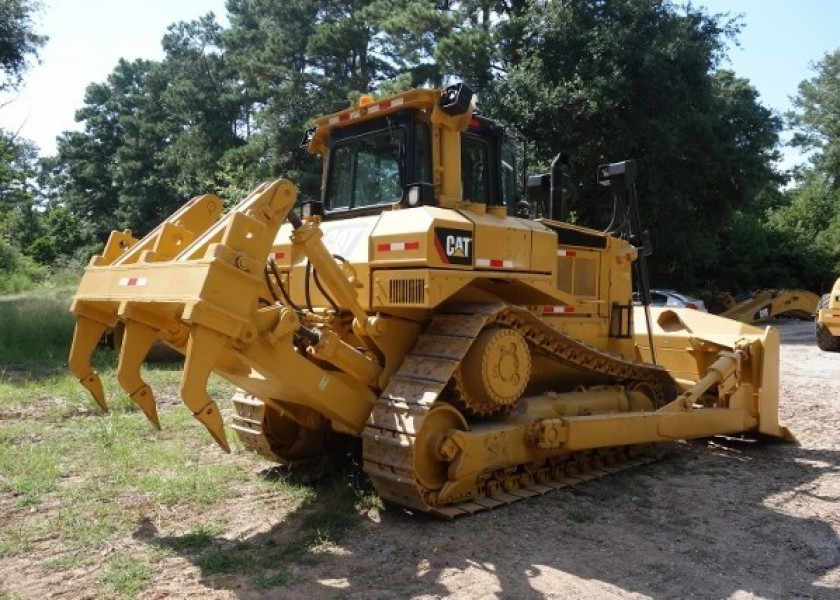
{"type": "Point", "coordinates": [367, 170]}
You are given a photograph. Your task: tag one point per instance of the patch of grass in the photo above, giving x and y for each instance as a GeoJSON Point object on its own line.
{"type": "Point", "coordinates": [281, 475]}
{"type": "Point", "coordinates": [126, 575]}
{"type": "Point", "coordinates": [15, 432]}
{"type": "Point", "coordinates": [325, 514]}
{"type": "Point", "coordinates": [680, 522]}
{"type": "Point", "coordinates": [331, 519]}
{"type": "Point", "coordinates": [274, 578]}
{"type": "Point", "coordinates": [202, 485]}
{"type": "Point", "coordinates": [93, 475]}
{"type": "Point", "coordinates": [62, 563]}
{"type": "Point", "coordinates": [29, 471]}
{"type": "Point", "coordinates": [643, 502]}
{"type": "Point", "coordinates": [336, 509]}
{"type": "Point", "coordinates": [86, 529]}
{"type": "Point", "coordinates": [300, 552]}
{"type": "Point", "coordinates": [225, 560]}
{"type": "Point", "coordinates": [580, 515]}
{"type": "Point", "coordinates": [37, 330]}
{"type": "Point", "coordinates": [97, 471]}
{"type": "Point", "coordinates": [16, 537]}
{"type": "Point", "coordinates": [199, 539]}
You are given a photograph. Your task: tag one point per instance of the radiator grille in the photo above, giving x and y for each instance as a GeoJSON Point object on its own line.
{"type": "Point", "coordinates": [407, 291]}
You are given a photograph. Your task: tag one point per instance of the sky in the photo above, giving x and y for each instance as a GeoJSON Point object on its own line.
{"type": "Point", "coordinates": [87, 39]}
{"type": "Point", "coordinates": [779, 41]}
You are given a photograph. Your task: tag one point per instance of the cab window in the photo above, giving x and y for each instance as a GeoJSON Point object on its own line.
{"type": "Point", "coordinates": [473, 170]}
{"type": "Point", "coordinates": [367, 171]}
{"type": "Point", "coordinates": [423, 150]}
{"type": "Point", "coordinates": [508, 173]}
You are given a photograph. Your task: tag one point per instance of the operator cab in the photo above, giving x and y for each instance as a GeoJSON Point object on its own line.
{"type": "Point", "coordinates": [383, 162]}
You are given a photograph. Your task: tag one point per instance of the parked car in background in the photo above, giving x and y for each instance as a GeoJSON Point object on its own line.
{"type": "Point", "coordinates": [660, 297]}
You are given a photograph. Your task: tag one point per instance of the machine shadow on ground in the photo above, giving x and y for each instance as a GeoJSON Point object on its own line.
{"type": "Point", "coordinates": [695, 523]}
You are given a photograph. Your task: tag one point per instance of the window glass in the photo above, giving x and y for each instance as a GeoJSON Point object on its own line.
{"type": "Point", "coordinates": [367, 171]}
{"type": "Point", "coordinates": [473, 170]}
{"type": "Point", "coordinates": [342, 158]}
{"type": "Point", "coordinates": [424, 154]}
{"type": "Point", "coordinates": [378, 176]}
{"type": "Point", "coordinates": [508, 173]}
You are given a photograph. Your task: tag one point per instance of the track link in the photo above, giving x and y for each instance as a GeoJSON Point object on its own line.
{"type": "Point", "coordinates": [247, 420]}
{"type": "Point", "coordinates": [389, 439]}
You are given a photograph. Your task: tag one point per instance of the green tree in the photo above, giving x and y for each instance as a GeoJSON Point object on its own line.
{"type": "Point", "coordinates": [19, 221]}
{"type": "Point", "coordinates": [297, 60]}
{"type": "Point", "coordinates": [810, 218]}
{"type": "Point", "coordinates": [603, 81]}
{"type": "Point", "coordinates": [18, 168]}
{"type": "Point", "coordinates": [809, 226]}
{"type": "Point", "coordinates": [18, 40]}
{"type": "Point", "coordinates": [109, 166]}
{"type": "Point", "coordinates": [265, 46]}
{"type": "Point", "coordinates": [154, 134]}
{"type": "Point", "coordinates": [817, 117]}
{"type": "Point", "coordinates": [200, 106]}
{"type": "Point", "coordinates": [606, 81]}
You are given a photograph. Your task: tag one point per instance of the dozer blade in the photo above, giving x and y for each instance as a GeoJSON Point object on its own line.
{"type": "Point", "coordinates": [689, 341]}
{"type": "Point", "coordinates": [85, 338]}
{"type": "Point", "coordinates": [203, 350]}
{"type": "Point", "coordinates": [137, 341]}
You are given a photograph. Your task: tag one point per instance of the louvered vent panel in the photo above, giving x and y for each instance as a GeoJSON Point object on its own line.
{"type": "Point", "coordinates": [407, 291]}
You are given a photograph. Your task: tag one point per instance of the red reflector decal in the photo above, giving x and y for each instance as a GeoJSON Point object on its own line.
{"type": "Point", "coordinates": [494, 263]}
{"type": "Point", "coordinates": [133, 281]}
{"type": "Point", "coordinates": [557, 310]}
{"type": "Point", "coordinates": [397, 246]}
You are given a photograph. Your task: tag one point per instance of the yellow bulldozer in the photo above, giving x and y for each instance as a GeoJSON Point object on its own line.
{"type": "Point", "coordinates": [769, 303]}
{"type": "Point", "coordinates": [480, 348]}
{"type": "Point", "coordinates": [828, 320]}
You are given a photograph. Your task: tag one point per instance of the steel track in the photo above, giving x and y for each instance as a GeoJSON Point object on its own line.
{"type": "Point", "coordinates": [389, 439]}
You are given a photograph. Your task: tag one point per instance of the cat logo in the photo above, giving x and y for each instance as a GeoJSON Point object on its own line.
{"type": "Point", "coordinates": [454, 246]}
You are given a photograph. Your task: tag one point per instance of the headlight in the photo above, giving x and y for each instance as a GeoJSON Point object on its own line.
{"type": "Point", "coordinates": [413, 196]}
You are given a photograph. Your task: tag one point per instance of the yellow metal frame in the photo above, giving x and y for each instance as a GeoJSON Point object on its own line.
{"type": "Point", "coordinates": [830, 317]}
{"type": "Point", "coordinates": [198, 282]}
{"type": "Point", "coordinates": [204, 301]}
{"type": "Point", "coordinates": [765, 304]}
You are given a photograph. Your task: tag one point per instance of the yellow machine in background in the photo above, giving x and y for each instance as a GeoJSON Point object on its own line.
{"type": "Point", "coordinates": [828, 320]}
{"type": "Point", "coordinates": [480, 357]}
{"type": "Point", "coordinates": [766, 304]}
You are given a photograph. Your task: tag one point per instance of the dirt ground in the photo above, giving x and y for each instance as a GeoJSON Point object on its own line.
{"type": "Point", "coordinates": [710, 519]}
